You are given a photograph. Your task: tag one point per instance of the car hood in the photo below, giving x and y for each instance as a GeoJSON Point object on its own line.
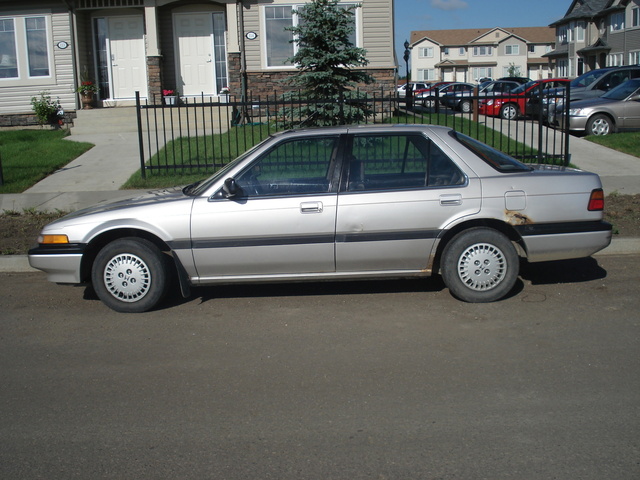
{"type": "Point", "coordinates": [592, 102]}
{"type": "Point", "coordinates": [166, 195]}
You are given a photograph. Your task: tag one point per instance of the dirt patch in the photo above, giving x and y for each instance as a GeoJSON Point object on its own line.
{"type": "Point", "coordinates": [19, 230]}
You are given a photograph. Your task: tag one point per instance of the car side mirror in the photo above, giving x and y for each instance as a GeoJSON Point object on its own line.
{"type": "Point", "coordinates": [635, 98]}
{"type": "Point", "coordinates": [230, 188]}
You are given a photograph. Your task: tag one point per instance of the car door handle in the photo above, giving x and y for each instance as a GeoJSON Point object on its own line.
{"type": "Point", "coordinates": [450, 200]}
{"type": "Point", "coordinates": [311, 207]}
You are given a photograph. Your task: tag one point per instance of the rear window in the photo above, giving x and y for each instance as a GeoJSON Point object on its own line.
{"type": "Point", "coordinates": [494, 158]}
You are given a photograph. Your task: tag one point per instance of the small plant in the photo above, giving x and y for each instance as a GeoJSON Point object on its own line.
{"type": "Point", "coordinates": [87, 87]}
{"type": "Point", "coordinates": [45, 108]}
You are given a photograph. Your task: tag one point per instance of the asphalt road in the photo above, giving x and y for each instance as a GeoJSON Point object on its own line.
{"type": "Point", "coordinates": [385, 380]}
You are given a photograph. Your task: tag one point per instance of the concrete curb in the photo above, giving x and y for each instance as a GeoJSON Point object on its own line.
{"type": "Point", "coordinates": [619, 246]}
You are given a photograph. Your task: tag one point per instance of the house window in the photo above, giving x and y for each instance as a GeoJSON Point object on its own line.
{"type": "Point", "coordinates": [220, 54]}
{"type": "Point", "coordinates": [634, 58]}
{"type": "Point", "coordinates": [616, 21]}
{"type": "Point", "coordinates": [426, 52]}
{"type": "Point", "coordinates": [614, 60]}
{"type": "Point", "coordinates": [482, 72]}
{"type": "Point", "coordinates": [512, 49]}
{"type": "Point", "coordinates": [426, 74]}
{"type": "Point", "coordinates": [580, 27]}
{"type": "Point", "coordinates": [279, 43]}
{"type": "Point", "coordinates": [532, 49]}
{"type": "Point", "coordinates": [37, 48]}
{"type": "Point", "coordinates": [462, 51]}
{"type": "Point", "coordinates": [278, 40]}
{"type": "Point", "coordinates": [562, 34]}
{"type": "Point", "coordinates": [445, 50]}
{"type": "Point", "coordinates": [562, 68]}
{"type": "Point", "coordinates": [8, 56]}
{"type": "Point", "coordinates": [482, 51]}
{"type": "Point", "coordinates": [24, 48]}
{"type": "Point", "coordinates": [635, 17]}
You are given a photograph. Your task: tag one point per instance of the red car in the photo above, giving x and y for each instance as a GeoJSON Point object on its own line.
{"type": "Point", "coordinates": [514, 104]}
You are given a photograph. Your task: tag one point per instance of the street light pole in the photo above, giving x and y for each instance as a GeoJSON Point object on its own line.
{"type": "Point", "coordinates": [408, 89]}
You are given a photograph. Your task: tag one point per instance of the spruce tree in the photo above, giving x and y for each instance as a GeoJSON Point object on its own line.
{"type": "Point", "coordinates": [329, 64]}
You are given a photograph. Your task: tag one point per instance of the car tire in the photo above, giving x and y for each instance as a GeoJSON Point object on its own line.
{"type": "Point", "coordinates": [509, 111]}
{"type": "Point", "coordinates": [130, 275]}
{"type": "Point", "coordinates": [429, 102]}
{"type": "Point", "coordinates": [480, 265]}
{"type": "Point", "coordinates": [599, 125]}
{"type": "Point", "coordinates": [466, 106]}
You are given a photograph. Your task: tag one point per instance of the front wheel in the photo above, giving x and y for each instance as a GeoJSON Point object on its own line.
{"type": "Point", "coordinates": [429, 102]}
{"type": "Point", "coordinates": [130, 275]}
{"type": "Point", "coordinates": [480, 265]}
{"type": "Point", "coordinates": [599, 125]}
{"type": "Point", "coordinates": [509, 111]}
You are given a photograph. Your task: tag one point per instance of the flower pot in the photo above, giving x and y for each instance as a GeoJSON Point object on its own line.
{"type": "Point", "coordinates": [87, 100]}
{"type": "Point", "coordinates": [224, 97]}
{"type": "Point", "coordinates": [170, 100]}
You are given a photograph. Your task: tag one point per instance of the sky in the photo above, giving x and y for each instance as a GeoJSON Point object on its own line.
{"type": "Point", "coordinates": [413, 15]}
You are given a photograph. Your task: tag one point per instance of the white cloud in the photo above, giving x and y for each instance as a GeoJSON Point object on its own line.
{"type": "Point", "coordinates": [449, 4]}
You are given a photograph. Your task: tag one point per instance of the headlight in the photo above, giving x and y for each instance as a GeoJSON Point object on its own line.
{"type": "Point", "coordinates": [578, 112]}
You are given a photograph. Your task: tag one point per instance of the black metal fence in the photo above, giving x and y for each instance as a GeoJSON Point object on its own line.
{"type": "Point", "coordinates": [201, 134]}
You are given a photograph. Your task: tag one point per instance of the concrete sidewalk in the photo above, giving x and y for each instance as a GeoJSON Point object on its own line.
{"type": "Point", "coordinates": [95, 177]}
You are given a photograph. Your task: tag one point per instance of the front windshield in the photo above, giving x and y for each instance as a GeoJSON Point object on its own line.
{"type": "Point", "coordinates": [587, 79]}
{"type": "Point", "coordinates": [200, 187]}
{"type": "Point", "coordinates": [495, 158]}
{"type": "Point", "coordinates": [623, 90]}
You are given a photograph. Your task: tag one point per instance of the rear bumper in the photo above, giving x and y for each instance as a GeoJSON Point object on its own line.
{"type": "Point", "coordinates": [562, 242]}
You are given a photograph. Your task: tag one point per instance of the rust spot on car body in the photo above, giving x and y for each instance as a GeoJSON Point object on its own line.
{"type": "Point", "coordinates": [517, 218]}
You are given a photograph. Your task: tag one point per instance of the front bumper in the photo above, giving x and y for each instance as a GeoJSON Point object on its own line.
{"type": "Point", "coordinates": [60, 263]}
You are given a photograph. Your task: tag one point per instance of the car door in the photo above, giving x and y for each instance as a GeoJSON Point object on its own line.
{"type": "Point", "coordinates": [280, 222]}
{"type": "Point", "coordinates": [397, 194]}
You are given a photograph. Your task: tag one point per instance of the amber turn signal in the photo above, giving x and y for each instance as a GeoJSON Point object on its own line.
{"type": "Point", "coordinates": [51, 239]}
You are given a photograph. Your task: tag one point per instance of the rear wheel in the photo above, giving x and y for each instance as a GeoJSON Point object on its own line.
{"type": "Point", "coordinates": [599, 125]}
{"type": "Point", "coordinates": [480, 265]}
{"type": "Point", "coordinates": [465, 106]}
{"type": "Point", "coordinates": [509, 111]}
{"type": "Point", "coordinates": [130, 275]}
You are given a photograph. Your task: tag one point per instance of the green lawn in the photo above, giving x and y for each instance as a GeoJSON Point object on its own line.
{"type": "Point", "coordinates": [28, 156]}
{"type": "Point", "coordinates": [627, 142]}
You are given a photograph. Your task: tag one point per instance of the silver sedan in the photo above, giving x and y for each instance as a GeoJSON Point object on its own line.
{"type": "Point", "coordinates": [341, 203]}
{"type": "Point", "coordinates": [616, 110]}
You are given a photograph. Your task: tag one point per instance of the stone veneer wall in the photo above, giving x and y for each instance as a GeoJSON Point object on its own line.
{"type": "Point", "coordinates": [154, 79]}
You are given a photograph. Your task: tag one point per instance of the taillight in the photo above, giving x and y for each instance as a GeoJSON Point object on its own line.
{"type": "Point", "coordinates": [596, 200]}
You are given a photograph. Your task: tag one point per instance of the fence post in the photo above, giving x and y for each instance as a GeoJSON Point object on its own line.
{"type": "Point", "coordinates": [143, 173]}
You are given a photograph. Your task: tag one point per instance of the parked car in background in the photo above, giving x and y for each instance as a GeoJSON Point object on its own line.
{"type": "Point", "coordinates": [594, 84]}
{"type": "Point", "coordinates": [402, 89]}
{"type": "Point", "coordinates": [463, 101]}
{"type": "Point", "coordinates": [520, 80]}
{"type": "Point", "coordinates": [338, 203]}
{"type": "Point", "coordinates": [514, 104]}
{"type": "Point", "coordinates": [616, 110]}
{"type": "Point", "coordinates": [429, 96]}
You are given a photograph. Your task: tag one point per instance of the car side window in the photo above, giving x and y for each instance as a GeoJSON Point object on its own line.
{"type": "Point", "coordinates": [398, 162]}
{"type": "Point", "coordinates": [298, 166]}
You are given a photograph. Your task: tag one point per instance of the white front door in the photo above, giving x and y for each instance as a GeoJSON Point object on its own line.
{"type": "Point", "coordinates": [127, 52]}
{"type": "Point", "coordinates": [195, 62]}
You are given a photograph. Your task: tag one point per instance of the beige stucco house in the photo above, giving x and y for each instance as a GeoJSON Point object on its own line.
{"type": "Point", "coordinates": [197, 47]}
{"type": "Point", "coordinates": [470, 54]}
